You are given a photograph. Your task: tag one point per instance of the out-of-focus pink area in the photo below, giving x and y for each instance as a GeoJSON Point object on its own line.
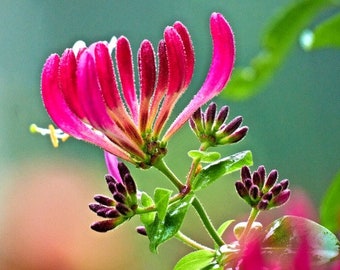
{"type": "Point", "coordinates": [46, 222]}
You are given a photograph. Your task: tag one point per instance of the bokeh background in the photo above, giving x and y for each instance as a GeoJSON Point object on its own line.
{"type": "Point", "coordinates": [44, 192]}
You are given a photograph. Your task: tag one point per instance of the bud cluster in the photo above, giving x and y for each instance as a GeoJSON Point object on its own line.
{"type": "Point", "coordinates": [262, 192]}
{"type": "Point", "coordinates": [121, 206]}
{"type": "Point", "coordinates": [211, 129]}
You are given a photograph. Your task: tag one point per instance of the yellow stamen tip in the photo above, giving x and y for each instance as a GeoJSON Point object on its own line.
{"type": "Point", "coordinates": [33, 128]}
{"type": "Point", "coordinates": [53, 135]}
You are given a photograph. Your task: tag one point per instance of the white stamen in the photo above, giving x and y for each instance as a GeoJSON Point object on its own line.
{"type": "Point", "coordinates": [56, 134]}
{"type": "Point", "coordinates": [112, 44]}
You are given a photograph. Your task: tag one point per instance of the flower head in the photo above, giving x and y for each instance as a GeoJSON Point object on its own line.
{"type": "Point", "coordinates": [81, 93]}
{"type": "Point", "coordinates": [123, 203]}
{"type": "Point", "coordinates": [260, 191]}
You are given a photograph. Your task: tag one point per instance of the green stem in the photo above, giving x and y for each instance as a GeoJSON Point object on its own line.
{"type": "Point", "coordinates": [207, 222]}
{"type": "Point", "coordinates": [190, 242]}
{"type": "Point", "coordinates": [161, 166]}
{"type": "Point", "coordinates": [252, 217]}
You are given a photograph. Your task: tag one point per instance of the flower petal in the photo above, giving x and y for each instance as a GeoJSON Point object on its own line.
{"type": "Point", "coordinates": [177, 70]}
{"type": "Point", "coordinates": [111, 96]}
{"type": "Point", "coordinates": [147, 80]}
{"type": "Point", "coordinates": [61, 114]}
{"type": "Point", "coordinates": [126, 75]}
{"type": "Point", "coordinates": [219, 73]}
{"type": "Point", "coordinates": [189, 51]}
{"type": "Point", "coordinates": [162, 83]}
{"type": "Point", "coordinates": [68, 83]}
{"type": "Point", "coordinates": [94, 107]}
{"type": "Point", "coordinates": [112, 166]}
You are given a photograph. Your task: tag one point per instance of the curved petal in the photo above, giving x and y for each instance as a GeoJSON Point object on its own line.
{"type": "Point", "coordinates": [68, 83]}
{"type": "Point", "coordinates": [177, 69]}
{"type": "Point", "coordinates": [219, 73]}
{"type": "Point", "coordinates": [147, 80]}
{"type": "Point", "coordinates": [112, 166]}
{"type": "Point", "coordinates": [91, 99]}
{"type": "Point", "coordinates": [110, 92]}
{"type": "Point", "coordinates": [189, 51]}
{"type": "Point", "coordinates": [162, 83]}
{"type": "Point", "coordinates": [126, 75]}
{"type": "Point", "coordinates": [63, 117]}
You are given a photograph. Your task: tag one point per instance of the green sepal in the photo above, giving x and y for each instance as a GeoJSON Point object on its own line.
{"type": "Point", "coordinates": [201, 259]}
{"type": "Point", "coordinates": [284, 234]}
{"type": "Point", "coordinates": [205, 157]}
{"type": "Point", "coordinates": [213, 171]}
{"type": "Point", "coordinates": [162, 230]}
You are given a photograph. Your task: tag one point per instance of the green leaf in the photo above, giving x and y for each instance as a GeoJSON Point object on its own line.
{"type": "Point", "coordinates": [330, 206]}
{"type": "Point", "coordinates": [162, 230]}
{"type": "Point", "coordinates": [283, 236]}
{"type": "Point", "coordinates": [280, 36]}
{"type": "Point", "coordinates": [147, 218]}
{"type": "Point", "coordinates": [212, 172]}
{"type": "Point", "coordinates": [224, 226]}
{"type": "Point", "coordinates": [205, 157]}
{"type": "Point", "coordinates": [325, 35]}
{"type": "Point", "coordinates": [162, 197]}
{"type": "Point", "coordinates": [195, 260]}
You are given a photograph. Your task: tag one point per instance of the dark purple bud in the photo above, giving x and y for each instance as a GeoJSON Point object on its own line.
{"type": "Point", "coordinates": [193, 126]}
{"type": "Point", "coordinates": [112, 187]}
{"type": "Point", "coordinates": [262, 173]}
{"type": "Point", "coordinates": [210, 114]}
{"type": "Point", "coordinates": [104, 200]}
{"type": "Point", "coordinates": [241, 189]}
{"type": "Point", "coordinates": [141, 230]}
{"type": "Point", "coordinates": [284, 183]}
{"type": "Point", "coordinates": [263, 205]}
{"type": "Point", "coordinates": [221, 117]}
{"type": "Point", "coordinates": [256, 179]}
{"type": "Point", "coordinates": [130, 184]}
{"type": "Point", "coordinates": [248, 183]}
{"type": "Point", "coordinates": [245, 173]}
{"type": "Point", "coordinates": [268, 196]}
{"type": "Point", "coordinates": [276, 189]}
{"type": "Point", "coordinates": [238, 135]}
{"type": "Point", "coordinates": [102, 212]}
{"type": "Point", "coordinates": [254, 192]}
{"type": "Point", "coordinates": [281, 199]}
{"type": "Point", "coordinates": [123, 169]}
{"type": "Point", "coordinates": [271, 179]}
{"type": "Point", "coordinates": [123, 209]}
{"type": "Point", "coordinates": [109, 179]}
{"type": "Point", "coordinates": [119, 197]}
{"type": "Point", "coordinates": [233, 125]}
{"type": "Point", "coordinates": [103, 226]}
{"type": "Point", "coordinates": [197, 118]}
{"type": "Point", "coordinates": [121, 189]}
{"type": "Point", "coordinates": [112, 213]}
{"type": "Point", "coordinates": [95, 207]}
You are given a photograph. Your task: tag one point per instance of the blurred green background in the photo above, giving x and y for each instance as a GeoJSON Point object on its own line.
{"type": "Point", "coordinates": [294, 127]}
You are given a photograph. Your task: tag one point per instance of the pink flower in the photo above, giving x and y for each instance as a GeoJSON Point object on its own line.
{"type": "Point", "coordinates": [81, 94]}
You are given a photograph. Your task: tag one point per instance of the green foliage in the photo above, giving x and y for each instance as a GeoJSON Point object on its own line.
{"type": "Point", "coordinates": [325, 35]}
{"type": "Point", "coordinates": [214, 171]}
{"type": "Point", "coordinates": [200, 259]}
{"type": "Point", "coordinates": [330, 206]}
{"type": "Point", "coordinates": [284, 236]}
{"type": "Point", "coordinates": [162, 197]}
{"type": "Point", "coordinates": [162, 228]}
{"type": "Point", "coordinates": [280, 36]}
{"type": "Point", "coordinates": [147, 218]}
{"type": "Point", "coordinates": [205, 157]}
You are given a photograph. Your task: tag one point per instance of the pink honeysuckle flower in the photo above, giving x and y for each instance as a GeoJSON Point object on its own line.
{"type": "Point", "coordinates": [81, 94]}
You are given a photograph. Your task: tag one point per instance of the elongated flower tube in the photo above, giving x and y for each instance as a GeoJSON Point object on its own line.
{"type": "Point", "coordinates": [82, 95]}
